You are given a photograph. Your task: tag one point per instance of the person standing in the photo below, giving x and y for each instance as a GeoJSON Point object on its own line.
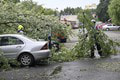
{"type": "Point", "coordinates": [20, 29]}
{"type": "Point", "coordinates": [96, 43]}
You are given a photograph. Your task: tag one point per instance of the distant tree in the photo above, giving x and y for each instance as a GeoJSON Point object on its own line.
{"type": "Point", "coordinates": [89, 12]}
{"type": "Point", "coordinates": [114, 11]}
{"type": "Point", "coordinates": [49, 12]}
{"type": "Point", "coordinates": [68, 11]}
{"type": "Point", "coordinates": [71, 11]}
{"type": "Point", "coordinates": [102, 9]}
{"type": "Point", "coordinates": [78, 10]}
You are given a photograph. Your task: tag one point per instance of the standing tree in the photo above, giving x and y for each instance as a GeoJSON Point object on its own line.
{"type": "Point", "coordinates": [90, 37]}
{"type": "Point", "coordinates": [114, 11]}
{"type": "Point", "coordinates": [102, 10]}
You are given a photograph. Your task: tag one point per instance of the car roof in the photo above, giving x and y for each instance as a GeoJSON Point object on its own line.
{"type": "Point", "coordinates": [17, 35]}
{"type": "Point", "coordinates": [22, 37]}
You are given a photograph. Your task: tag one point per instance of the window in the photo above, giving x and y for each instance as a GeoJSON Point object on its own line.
{"type": "Point", "coordinates": [114, 25]}
{"type": "Point", "coordinates": [10, 41]}
{"type": "Point", "coordinates": [109, 24]}
{"type": "Point", "coordinates": [3, 41]}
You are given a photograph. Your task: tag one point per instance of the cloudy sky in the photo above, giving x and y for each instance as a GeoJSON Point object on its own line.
{"type": "Point", "coordinates": [61, 4]}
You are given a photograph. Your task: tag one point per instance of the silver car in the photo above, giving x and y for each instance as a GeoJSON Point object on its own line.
{"type": "Point", "coordinates": [110, 27]}
{"type": "Point", "coordinates": [24, 49]}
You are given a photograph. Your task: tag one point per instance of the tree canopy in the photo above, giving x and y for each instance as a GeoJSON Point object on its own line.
{"type": "Point", "coordinates": [102, 9]}
{"type": "Point", "coordinates": [114, 11]}
{"type": "Point", "coordinates": [71, 11]}
{"type": "Point", "coordinates": [37, 21]}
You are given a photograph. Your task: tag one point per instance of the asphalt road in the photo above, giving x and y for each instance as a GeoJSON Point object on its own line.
{"type": "Point", "coordinates": [83, 69]}
{"type": "Point", "coordinates": [115, 35]}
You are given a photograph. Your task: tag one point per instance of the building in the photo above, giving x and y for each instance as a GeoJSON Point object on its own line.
{"type": "Point", "coordinates": [91, 6]}
{"type": "Point", "coordinates": [71, 20]}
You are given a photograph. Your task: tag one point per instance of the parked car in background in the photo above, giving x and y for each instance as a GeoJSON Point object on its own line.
{"type": "Point", "coordinates": [24, 49]}
{"type": "Point", "coordinates": [100, 26]}
{"type": "Point", "coordinates": [110, 27]}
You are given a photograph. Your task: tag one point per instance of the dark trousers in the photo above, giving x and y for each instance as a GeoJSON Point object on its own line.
{"type": "Point", "coordinates": [98, 48]}
{"type": "Point", "coordinates": [49, 40]}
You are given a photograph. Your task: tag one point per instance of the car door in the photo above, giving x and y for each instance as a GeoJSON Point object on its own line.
{"type": "Point", "coordinates": [114, 27]}
{"type": "Point", "coordinates": [109, 26]}
{"type": "Point", "coordinates": [11, 46]}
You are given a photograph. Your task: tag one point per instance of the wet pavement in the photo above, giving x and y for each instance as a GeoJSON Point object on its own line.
{"type": "Point", "coordinates": [115, 35]}
{"type": "Point", "coordinates": [89, 69]}
{"type": "Point", "coordinates": [83, 69]}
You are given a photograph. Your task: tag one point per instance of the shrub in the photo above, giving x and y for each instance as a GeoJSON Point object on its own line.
{"type": "Point", "coordinates": [64, 55]}
{"type": "Point", "coordinates": [4, 62]}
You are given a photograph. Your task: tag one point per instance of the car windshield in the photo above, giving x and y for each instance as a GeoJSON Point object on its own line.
{"type": "Point", "coordinates": [29, 38]}
{"type": "Point", "coordinates": [32, 38]}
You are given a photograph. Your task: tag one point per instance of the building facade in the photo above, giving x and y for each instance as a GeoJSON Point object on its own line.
{"type": "Point", "coordinates": [70, 20]}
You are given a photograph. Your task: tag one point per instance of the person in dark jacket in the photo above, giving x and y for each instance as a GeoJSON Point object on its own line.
{"type": "Point", "coordinates": [97, 45]}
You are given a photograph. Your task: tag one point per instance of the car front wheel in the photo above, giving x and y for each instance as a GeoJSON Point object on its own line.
{"type": "Point", "coordinates": [26, 59]}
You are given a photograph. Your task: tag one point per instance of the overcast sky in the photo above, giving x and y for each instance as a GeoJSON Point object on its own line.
{"type": "Point", "coordinates": [61, 4]}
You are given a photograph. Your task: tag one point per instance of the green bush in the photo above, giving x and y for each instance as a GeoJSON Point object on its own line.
{"type": "Point", "coordinates": [4, 64]}
{"type": "Point", "coordinates": [14, 63]}
{"type": "Point", "coordinates": [64, 55]}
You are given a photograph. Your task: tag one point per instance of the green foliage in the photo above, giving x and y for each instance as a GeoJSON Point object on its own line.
{"type": "Point", "coordinates": [4, 62]}
{"type": "Point", "coordinates": [64, 55]}
{"type": "Point", "coordinates": [87, 39]}
{"type": "Point", "coordinates": [102, 10]}
{"type": "Point", "coordinates": [114, 11]}
{"type": "Point", "coordinates": [71, 11]}
{"type": "Point", "coordinates": [14, 63]}
{"type": "Point", "coordinates": [2, 78]}
{"type": "Point", "coordinates": [31, 16]}
{"type": "Point", "coordinates": [7, 1]}
{"type": "Point", "coordinates": [49, 12]}
{"type": "Point", "coordinates": [30, 7]}
{"type": "Point", "coordinates": [40, 26]}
